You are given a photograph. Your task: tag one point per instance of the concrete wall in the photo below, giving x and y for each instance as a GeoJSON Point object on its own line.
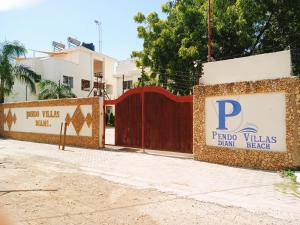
{"type": "Point", "coordinates": [257, 67]}
{"type": "Point", "coordinates": [281, 155]}
{"type": "Point", "coordinates": [40, 121]}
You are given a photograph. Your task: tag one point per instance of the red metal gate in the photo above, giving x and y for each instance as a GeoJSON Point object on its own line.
{"type": "Point", "coordinates": [153, 118]}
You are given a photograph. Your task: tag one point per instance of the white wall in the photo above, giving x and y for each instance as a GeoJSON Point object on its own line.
{"type": "Point", "coordinates": [109, 71]}
{"type": "Point", "coordinates": [258, 67]}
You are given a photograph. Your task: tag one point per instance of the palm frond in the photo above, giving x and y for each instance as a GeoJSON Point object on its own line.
{"type": "Point", "coordinates": [6, 91]}
{"type": "Point", "coordinates": [27, 76]}
{"type": "Point", "coordinates": [13, 49]}
{"type": "Point", "coordinates": [49, 83]}
{"type": "Point", "coordinates": [51, 90]}
{"type": "Point", "coordinates": [48, 90]}
{"type": "Point", "coordinates": [66, 92]}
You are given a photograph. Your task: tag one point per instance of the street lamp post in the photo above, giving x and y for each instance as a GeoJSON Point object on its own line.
{"type": "Point", "coordinates": [99, 24]}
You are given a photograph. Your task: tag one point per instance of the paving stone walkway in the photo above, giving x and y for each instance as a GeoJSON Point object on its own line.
{"type": "Point", "coordinates": [253, 190]}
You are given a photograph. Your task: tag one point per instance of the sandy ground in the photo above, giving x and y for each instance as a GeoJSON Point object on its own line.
{"type": "Point", "coordinates": [35, 189]}
{"type": "Point", "coordinates": [49, 192]}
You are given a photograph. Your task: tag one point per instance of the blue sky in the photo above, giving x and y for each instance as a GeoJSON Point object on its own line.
{"type": "Point", "coordinates": [36, 23]}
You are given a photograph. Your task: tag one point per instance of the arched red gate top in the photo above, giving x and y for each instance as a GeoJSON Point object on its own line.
{"type": "Point", "coordinates": [153, 89]}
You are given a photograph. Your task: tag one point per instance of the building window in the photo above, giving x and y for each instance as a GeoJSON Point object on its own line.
{"type": "Point", "coordinates": [127, 84]}
{"type": "Point", "coordinates": [85, 85]}
{"type": "Point", "coordinates": [68, 81]}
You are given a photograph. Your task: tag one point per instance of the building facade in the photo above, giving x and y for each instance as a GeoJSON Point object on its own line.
{"type": "Point", "coordinates": [127, 74]}
{"type": "Point", "coordinates": [79, 67]}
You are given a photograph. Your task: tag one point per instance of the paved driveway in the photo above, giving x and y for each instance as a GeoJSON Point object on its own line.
{"type": "Point", "coordinates": [253, 190]}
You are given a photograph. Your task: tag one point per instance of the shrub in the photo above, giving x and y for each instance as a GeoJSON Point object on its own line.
{"type": "Point", "coordinates": [112, 119]}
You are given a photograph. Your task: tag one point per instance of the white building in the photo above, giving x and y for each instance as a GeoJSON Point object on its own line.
{"type": "Point", "coordinates": [76, 67]}
{"type": "Point", "coordinates": [128, 72]}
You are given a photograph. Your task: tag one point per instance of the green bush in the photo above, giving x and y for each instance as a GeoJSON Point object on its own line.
{"type": "Point", "coordinates": [106, 118]}
{"type": "Point", "coordinates": [112, 119]}
{"type": "Point", "coordinates": [290, 174]}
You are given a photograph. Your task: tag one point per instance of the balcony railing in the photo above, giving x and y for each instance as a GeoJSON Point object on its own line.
{"type": "Point", "coordinates": [98, 74]}
{"type": "Point", "coordinates": [99, 85]}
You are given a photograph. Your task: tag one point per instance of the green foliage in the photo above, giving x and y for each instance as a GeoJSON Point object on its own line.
{"type": "Point", "coordinates": [289, 185]}
{"type": "Point", "coordinates": [10, 70]}
{"type": "Point", "coordinates": [290, 174]}
{"type": "Point", "coordinates": [111, 119]}
{"type": "Point", "coordinates": [240, 28]}
{"type": "Point", "coordinates": [147, 80]}
{"type": "Point", "coordinates": [51, 90]}
{"type": "Point", "coordinates": [106, 118]}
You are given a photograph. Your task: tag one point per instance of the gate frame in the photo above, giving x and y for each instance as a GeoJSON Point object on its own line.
{"type": "Point", "coordinates": [142, 91]}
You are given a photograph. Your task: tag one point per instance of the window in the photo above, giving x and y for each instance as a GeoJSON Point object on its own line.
{"type": "Point", "coordinates": [68, 81]}
{"type": "Point", "coordinates": [127, 84]}
{"type": "Point", "coordinates": [85, 85]}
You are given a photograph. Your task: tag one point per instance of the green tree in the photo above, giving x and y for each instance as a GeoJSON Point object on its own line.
{"type": "Point", "coordinates": [10, 70]}
{"type": "Point", "coordinates": [112, 119]}
{"type": "Point", "coordinates": [106, 118]}
{"type": "Point", "coordinates": [172, 45]}
{"type": "Point", "coordinates": [146, 80]}
{"type": "Point", "coordinates": [51, 90]}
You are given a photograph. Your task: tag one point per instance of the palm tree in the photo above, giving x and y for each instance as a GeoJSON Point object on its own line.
{"type": "Point", "coordinates": [51, 90]}
{"type": "Point", "coordinates": [9, 70]}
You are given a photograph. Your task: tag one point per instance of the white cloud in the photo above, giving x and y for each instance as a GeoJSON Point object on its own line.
{"type": "Point", "coordinates": [6, 5]}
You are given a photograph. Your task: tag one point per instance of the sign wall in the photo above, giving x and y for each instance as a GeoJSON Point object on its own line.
{"type": "Point", "coordinates": [249, 121]}
{"type": "Point", "coordinates": [41, 121]}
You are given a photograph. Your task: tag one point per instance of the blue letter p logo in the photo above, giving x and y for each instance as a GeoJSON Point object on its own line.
{"type": "Point", "coordinates": [222, 112]}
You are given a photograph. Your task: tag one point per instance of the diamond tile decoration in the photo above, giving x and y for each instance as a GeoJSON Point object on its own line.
{"type": "Point", "coordinates": [14, 119]}
{"type": "Point", "coordinates": [68, 119]}
{"type": "Point", "coordinates": [78, 119]}
{"type": "Point", "coordinates": [9, 119]}
{"type": "Point", "coordinates": [89, 119]}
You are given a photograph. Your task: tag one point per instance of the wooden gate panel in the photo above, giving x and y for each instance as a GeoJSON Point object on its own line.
{"type": "Point", "coordinates": [128, 121]}
{"type": "Point", "coordinates": [164, 123]}
{"type": "Point", "coordinates": [168, 123]}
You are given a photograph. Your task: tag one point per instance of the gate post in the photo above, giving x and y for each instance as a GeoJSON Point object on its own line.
{"type": "Point", "coordinates": [101, 121]}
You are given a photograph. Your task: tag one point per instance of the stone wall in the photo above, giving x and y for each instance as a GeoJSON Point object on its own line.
{"type": "Point", "coordinates": [40, 121]}
{"type": "Point", "coordinates": [261, 159]}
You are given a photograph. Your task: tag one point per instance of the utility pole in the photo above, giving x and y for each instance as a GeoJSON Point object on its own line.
{"type": "Point", "coordinates": [100, 34]}
{"type": "Point", "coordinates": [209, 32]}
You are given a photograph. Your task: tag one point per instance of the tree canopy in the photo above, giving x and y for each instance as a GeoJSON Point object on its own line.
{"type": "Point", "coordinates": [172, 45]}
